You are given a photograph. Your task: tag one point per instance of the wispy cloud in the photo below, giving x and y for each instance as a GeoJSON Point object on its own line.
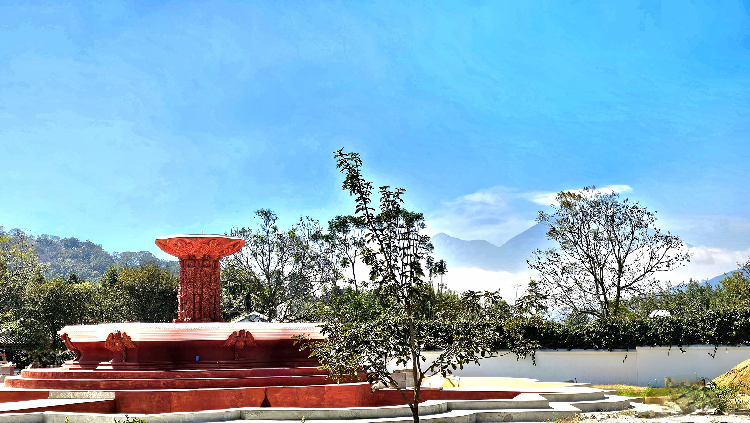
{"type": "Point", "coordinates": [490, 214]}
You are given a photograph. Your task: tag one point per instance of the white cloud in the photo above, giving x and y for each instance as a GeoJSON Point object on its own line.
{"type": "Point", "coordinates": [705, 263]}
{"type": "Point", "coordinates": [548, 198]}
{"type": "Point", "coordinates": [511, 285]}
{"type": "Point", "coordinates": [729, 232]}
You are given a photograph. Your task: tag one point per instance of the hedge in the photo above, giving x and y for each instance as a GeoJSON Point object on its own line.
{"type": "Point", "coordinates": [525, 335]}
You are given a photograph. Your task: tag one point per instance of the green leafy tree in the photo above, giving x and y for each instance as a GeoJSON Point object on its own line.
{"type": "Point", "coordinates": [681, 300]}
{"type": "Point", "coordinates": [145, 293]}
{"type": "Point", "coordinates": [19, 265]}
{"type": "Point", "coordinates": [396, 253]}
{"type": "Point", "coordinates": [608, 251]}
{"type": "Point", "coordinates": [736, 287]}
{"type": "Point", "coordinates": [50, 305]}
{"type": "Point", "coordinates": [278, 273]}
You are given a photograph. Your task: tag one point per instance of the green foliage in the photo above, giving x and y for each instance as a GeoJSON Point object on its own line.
{"type": "Point", "coordinates": [680, 300]}
{"type": "Point", "coordinates": [608, 250]}
{"type": "Point", "coordinates": [702, 395]}
{"type": "Point", "coordinates": [18, 266]}
{"type": "Point", "coordinates": [35, 308]}
{"type": "Point", "coordinates": [736, 288]}
{"type": "Point", "coordinates": [278, 273]}
{"type": "Point", "coordinates": [346, 238]}
{"type": "Point", "coordinates": [707, 328]}
{"type": "Point", "coordinates": [391, 328]}
{"type": "Point", "coordinates": [146, 293]}
{"type": "Point", "coordinates": [733, 294]}
{"type": "Point", "coordinates": [649, 391]}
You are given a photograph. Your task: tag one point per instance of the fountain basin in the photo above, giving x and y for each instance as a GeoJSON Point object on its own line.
{"type": "Point", "coordinates": [169, 346]}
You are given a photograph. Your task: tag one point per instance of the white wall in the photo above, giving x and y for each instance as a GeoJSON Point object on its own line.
{"type": "Point", "coordinates": [641, 367]}
{"type": "Point", "coordinates": [695, 362]}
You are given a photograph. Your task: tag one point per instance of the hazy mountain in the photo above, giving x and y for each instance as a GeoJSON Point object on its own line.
{"type": "Point", "coordinates": [716, 281]}
{"type": "Point", "coordinates": [510, 257]}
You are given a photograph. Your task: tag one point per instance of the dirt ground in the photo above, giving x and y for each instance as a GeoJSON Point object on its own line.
{"type": "Point", "coordinates": [656, 413]}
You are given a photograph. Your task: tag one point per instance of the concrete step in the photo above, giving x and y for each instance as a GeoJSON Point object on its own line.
{"type": "Point", "coordinates": [609, 403]}
{"type": "Point", "coordinates": [524, 401]}
{"type": "Point", "coordinates": [80, 405]}
{"type": "Point", "coordinates": [574, 395]}
{"type": "Point", "coordinates": [557, 411]}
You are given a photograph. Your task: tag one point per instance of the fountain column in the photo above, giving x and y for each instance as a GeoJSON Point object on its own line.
{"type": "Point", "coordinates": [199, 298]}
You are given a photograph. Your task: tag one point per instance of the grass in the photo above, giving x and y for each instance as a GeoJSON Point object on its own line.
{"type": "Point", "coordinates": [640, 391]}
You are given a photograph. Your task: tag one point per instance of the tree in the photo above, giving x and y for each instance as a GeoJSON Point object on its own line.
{"type": "Point", "coordinates": [437, 268]}
{"type": "Point", "coordinates": [396, 253]}
{"type": "Point", "coordinates": [683, 300]}
{"type": "Point", "coordinates": [144, 293]}
{"type": "Point", "coordinates": [18, 266]}
{"type": "Point", "coordinates": [346, 238]}
{"type": "Point", "coordinates": [736, 287]}
{"type": "Point", "coordinates": [608, 250]}
{"type": "Point", "coordinates": [278, 273]}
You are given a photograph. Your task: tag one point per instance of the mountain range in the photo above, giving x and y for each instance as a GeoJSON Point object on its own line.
{"type": "Point", "coordinates": [509, 257]}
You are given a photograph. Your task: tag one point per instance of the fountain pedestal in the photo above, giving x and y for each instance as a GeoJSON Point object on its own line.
{"type": "Point", "coordinates": [199, 298]}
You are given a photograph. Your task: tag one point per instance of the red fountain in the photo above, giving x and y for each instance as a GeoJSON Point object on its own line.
{"type": "Point", "coordinates": [197, 362]}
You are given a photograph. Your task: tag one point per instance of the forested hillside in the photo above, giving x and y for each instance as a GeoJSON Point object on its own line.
{"type": "Point", "coordinates": [87, 260]}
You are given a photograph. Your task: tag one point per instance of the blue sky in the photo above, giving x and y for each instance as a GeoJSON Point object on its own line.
{"type": "Point", "coordinates": [121, 122]}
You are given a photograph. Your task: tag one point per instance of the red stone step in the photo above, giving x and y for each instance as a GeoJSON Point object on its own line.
{"type": "Point", "coordinates": [14, 395]}
{"type": "Point", "coordinates": [174, 383]}
{"type": "Point", "coordinates": [168, 374]}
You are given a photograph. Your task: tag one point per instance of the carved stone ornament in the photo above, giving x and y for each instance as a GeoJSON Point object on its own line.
{"type": "Point", "coordinates": [71, 346]}
{"type": "Point", "coordinates": [239, 339]}
{"type": "Point", "coordinates": [119, 342]}
{"type": "Point", "coordinates": [200, 246]}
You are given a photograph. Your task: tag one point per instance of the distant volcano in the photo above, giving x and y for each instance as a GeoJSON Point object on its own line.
{"type": "Point", "coordinates": [510, 257]}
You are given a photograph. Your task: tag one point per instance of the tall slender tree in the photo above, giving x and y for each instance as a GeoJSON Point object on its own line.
{"type": "Point", "coordinates": [396, 253]}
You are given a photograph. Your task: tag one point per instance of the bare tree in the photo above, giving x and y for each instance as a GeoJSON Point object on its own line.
{"type": "Point", "coordinates": [608, 250]}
